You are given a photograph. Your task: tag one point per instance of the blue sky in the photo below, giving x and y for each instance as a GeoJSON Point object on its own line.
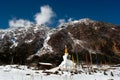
{"type": "Point", "coordinates": [101, 10]}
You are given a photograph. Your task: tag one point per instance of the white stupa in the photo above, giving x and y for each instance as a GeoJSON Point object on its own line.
{"type": "Point", "coordinates": [66, 64]}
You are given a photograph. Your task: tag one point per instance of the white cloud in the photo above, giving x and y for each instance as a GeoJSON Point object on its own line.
{"type": "Point", "coordinates": [45, 15]}
{"type": "Point", "coordinates": [61, 21]}
{"type": "Point", "coordinates": [19, 23]}
{"type": "Point", "coordinates": [70, 19]}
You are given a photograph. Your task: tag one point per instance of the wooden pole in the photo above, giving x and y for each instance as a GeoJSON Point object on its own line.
{"type": "Point", "coordinates": [96, 59]}
{"type": "Point", "coordinates": [86, 59]}
{"type": "Point", "coordinates": [91, 60]}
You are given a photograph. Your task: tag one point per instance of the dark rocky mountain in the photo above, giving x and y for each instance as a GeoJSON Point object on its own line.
{"type": "Point", "coordinates": [17, 44]}
{"type": "Point", "coordinates": [42, 44]}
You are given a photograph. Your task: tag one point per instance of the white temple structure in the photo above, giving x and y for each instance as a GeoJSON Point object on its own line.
{"type": "Point", "coordinates": [66, 64]}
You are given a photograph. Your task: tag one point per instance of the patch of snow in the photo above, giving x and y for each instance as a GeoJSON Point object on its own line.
{"type": "Point", "coordinates": [75, 21]}
{"type": "Point", "coordinates": [14, 42]}
{"type": "Point", "coordinates": [42, 63]}
{"type": "Point", "coordinates": [28, 41]}
{"type": "Point", "coordinates": [87, 21]}
{"type": "Point", "coordinates": [35, 29]}
{"type": "Point", "coordinates": [14, 45]}
{"type": "Point", "coordinates": [53, 70]}
{"type": "Point", "coordinates": [2, 36]}
{"type": "Point", "coordinates": [30, 57]}
{"type": "Point", "coordinates": [76, 41]}
{"type": "Point", "coordinates": [113, 28]}
{"type": "Point", "coordinates": [46, 47]}
{"type": "Point", "coordinates": [20, 29]}
{"type": "Point", "coordinates": [81, 43]}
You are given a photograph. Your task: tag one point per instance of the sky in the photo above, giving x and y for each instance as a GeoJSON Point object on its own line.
{"type": "Point", "coordinates": [14, 13]}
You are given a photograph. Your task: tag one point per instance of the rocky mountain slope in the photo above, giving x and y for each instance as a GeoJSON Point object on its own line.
{"type": "Point", "coordinates": [17, 44]}
{"type": "Point", "coordinates": [40, 43]}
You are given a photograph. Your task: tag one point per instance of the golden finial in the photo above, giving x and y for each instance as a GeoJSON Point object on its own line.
{"type": "Point", "coordinates": [66, 50]}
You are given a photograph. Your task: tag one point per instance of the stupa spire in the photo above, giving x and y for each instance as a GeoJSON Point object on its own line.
{"type": "Point", "coordinates": [66, 50]}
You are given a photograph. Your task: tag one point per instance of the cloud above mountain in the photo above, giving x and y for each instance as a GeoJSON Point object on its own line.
{"type": "Point", "coordinates": [19, 23]}
{"type": "Point", "coordinates": [70, 19]}
{"type": "Point", "coordinates": [61, 21]}
{"type": "Point", "coordinates": [45, 15]}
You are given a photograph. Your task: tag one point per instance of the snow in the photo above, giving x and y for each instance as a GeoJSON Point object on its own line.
{"type": "Point", "coordinates": [86, 21]}
{"type": "Point", "coordinates": [113, 28]}
{"type": "Point", "coordinates": [35, 29]}
{"type": "Point", "coordinates": [46, 40]}
{"type": "Point", "coordinates": [14, 45]}
{"type": "Point", "coordinates": [46, 47]}
{"type": "Point", "coordinates": [81, 43]}
{"type": "Point", "coordinates": [14, 42]}
{"type": "Point", "coordinates": [42, 63]}
{"type": "Point", "coordinates": [28, 41]}
{"type": "Point", "coordinates": [17, 72]}
{"type": "Point", "coordinates": [3, 36]}
{"type": "Point", "coordinates": [77, 41]}
{"type": "Point", "coordinates": [75, 21]}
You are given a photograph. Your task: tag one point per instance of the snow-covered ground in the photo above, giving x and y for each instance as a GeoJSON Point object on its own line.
{"type": "Point", "coordinates": [15, 72]}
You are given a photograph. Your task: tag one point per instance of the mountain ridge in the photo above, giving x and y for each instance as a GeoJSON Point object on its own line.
{"type": "Point", "coordinates": [41, 43]}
